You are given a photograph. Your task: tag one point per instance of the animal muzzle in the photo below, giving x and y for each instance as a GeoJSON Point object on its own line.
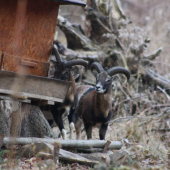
{"type": "Point", "coordinates": [99, 88]}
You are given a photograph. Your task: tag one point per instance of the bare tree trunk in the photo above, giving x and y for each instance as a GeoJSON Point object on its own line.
{"type": "Point", "coordinates": [23, 120]}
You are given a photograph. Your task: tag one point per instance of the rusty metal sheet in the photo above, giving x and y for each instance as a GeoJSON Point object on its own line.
{"type": "Point", "coordinates": [33, 87]}
{"type": "Point", "coordinates": [24, 65]}
{"type": "Point", "coordinates": [27, 28]}
{"type": "Point", "coordinates": [0, 59]}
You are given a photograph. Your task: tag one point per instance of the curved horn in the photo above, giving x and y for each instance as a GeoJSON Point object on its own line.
{"type": "Point", "coordinates": [56, 53]}
{"type": "Point", "coordinates": [97, 67]}
{"type": "Point", "coordinates": [76, 62]}
{"type": "Point", "coordinates": [116, 70]}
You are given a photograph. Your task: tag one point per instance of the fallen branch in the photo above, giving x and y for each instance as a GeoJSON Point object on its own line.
{"type": "Point", "coordinates": [106, 146]}
{"type": "Point", "coordinates": [110, 158]}
{"type": "Point", "coordinates": [69, 54]}
{"type": "Point", "coordinates": [47, 151]}
{"type": "Point", "coordinates": [153, 55]}
{"type": "Point", "coordinates": [80, 161]}
{"type": "Point", "coordinates": [96, 156]}
{"type": "Point", "coordinates": [63, 143]}
{"type": "Point", "coordinates": [153, 77]}
{"type": "Point", "coordinates": [69, 157]}
{"type": "Point", "coordinates": [74, 33]}
{"type": "Point", "coordinates": [90, 150]}
{"type": "Point", "coordinates": [56, 152]}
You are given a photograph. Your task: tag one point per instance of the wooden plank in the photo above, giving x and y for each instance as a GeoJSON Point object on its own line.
{"type": "Point", "coordinates": [71, 143]}
{"type": "Point", "coordinates": [10, 98]}
{"type": "Point", "coordinates": [33, 87]}
{"type": "Point", "coordinates": [27, 63]}
{"type": "Point", "coordinates": [28, 95]}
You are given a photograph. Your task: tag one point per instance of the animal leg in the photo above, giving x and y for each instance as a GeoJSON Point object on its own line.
{"type": "Point", "coordinates": [88, 128]}
{"type": "Point", "coordinates": [78, 125]}
{"type": "Point", "coordinates": [59, 121]}
{"type": "Point", "coordinates": [71, 121]}
{"type": "Point", "coordinates": [102, 131]}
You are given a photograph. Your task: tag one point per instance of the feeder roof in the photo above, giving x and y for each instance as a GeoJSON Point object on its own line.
{"type": "Point", "coordinates": [71, 2]}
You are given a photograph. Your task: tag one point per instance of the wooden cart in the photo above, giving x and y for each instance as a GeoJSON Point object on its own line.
{"type": "Point", "coordinates": [27, 29]}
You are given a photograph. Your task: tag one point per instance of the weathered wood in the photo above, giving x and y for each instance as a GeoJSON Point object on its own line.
{"type": "Point", "coordinates": [1, 57]}
{"type": "Point", "coordinates": [71, 54]}
{"type": "Point", "coordinates": [33, 87]}
{"type": "Point", "coordinates": [80, 161]}
{"type": "Point", "coordinates": [56, 152]}
{"type": "Point", "coordinates": [106, 147]}
{"type": "Point", "coordinates": [45, 151]}
{"type": "Point", "coordinates": [70, 157]}
{"type": "Point", "coordinates": [99, 23]}
{"type": "Point", "coordinates": [64, 143]}
{"type": "Point", "coordinates": [11, 98]}
{"type": "Point", "coordinates": [118, 158]}
{"type": "Point", "coordinates": [74, 33]}
{"type": "Point", "coordinates": [102, 18]}
{"type": "Point", "coordinates": [28, 28]}
{"type": "Point", "coordinates": [152, 77]}
{"type": "Point", "coordinates": [23, 119]}
{"type": "Point", "coordinates": [115, 158]}
{"type": "Point", "coordinates": [22, 65]}
{"type": "Point", "coordinates": [97, 156]}
{"type": "Point", "coordinates": [153, 55]}
{"type": "Point", "coordinates": [90, 150]}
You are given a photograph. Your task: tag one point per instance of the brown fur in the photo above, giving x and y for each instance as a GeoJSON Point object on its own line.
{"type": "Point", "coordinates": [95, 104]}
{"type": "Point", "coordinates": [72, 90]}
{"type": "Point", "coordinates": [94, 108]}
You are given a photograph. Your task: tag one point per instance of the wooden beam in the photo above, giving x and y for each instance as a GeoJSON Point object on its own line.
{"type": "Point", "coordinates": [33, 87]}
{"type": "Point", "coordinates": [11, 98]}
{"type": "Point", "coordinates": [64, 143]}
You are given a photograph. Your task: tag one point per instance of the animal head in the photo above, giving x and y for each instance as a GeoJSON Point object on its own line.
{"type": "Point", "coordinates": [63, 68]}
{"type": "Point", "coordinates": [104, 78]}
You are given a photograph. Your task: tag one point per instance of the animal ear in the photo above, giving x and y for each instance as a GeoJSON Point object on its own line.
{"type": "Point", "coordinates": [75, 71]}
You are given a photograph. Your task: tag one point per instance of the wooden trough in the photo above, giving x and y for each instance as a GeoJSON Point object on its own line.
{"type": "Point", "coordinates": [27, 29]}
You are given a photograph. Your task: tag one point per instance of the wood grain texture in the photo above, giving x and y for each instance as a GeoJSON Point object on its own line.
{"type": "Point", "coordinates": [33, 87]}
{"type": "Point", "coordinates": [0, 59]}
{"type": "Point", "coordinates": [15, 64]}
{"type": "Point", "coordinates": [27, 28]}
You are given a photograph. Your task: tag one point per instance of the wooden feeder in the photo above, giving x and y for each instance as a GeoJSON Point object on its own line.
{"type": "Point", "coordinates": [27, 29]}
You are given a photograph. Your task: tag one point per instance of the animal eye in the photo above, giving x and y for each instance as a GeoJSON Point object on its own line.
{"type": "Point", "coordinates": [108, 80]}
